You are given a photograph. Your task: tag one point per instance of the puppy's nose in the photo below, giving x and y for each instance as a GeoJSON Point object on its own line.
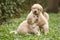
{"type": "Point", "coordinates": [35, 11]}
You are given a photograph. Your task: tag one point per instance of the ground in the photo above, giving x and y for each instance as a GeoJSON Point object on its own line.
{"type": "Point", "coordinates": [54, 29]}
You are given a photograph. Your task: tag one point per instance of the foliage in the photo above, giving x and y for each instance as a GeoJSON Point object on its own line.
{"type": "Point", "coordinates": [10, 9]}
{"type": "Point", "coordinates": [54, 27]}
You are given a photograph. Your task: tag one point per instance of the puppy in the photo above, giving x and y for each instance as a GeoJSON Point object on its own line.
{"type": "Point", "coordinates": [27, 29]}
{"type": "Point", "coordinates": [42, 18]}
{"type": "Point", "coordinates": [35, 11]}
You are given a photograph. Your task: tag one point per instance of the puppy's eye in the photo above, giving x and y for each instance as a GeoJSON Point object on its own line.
{"type": "Point", "coordinates": [39, 9]}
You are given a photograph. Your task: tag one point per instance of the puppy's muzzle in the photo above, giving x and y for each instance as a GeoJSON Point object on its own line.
{"type": "Point", "coordinates": [35, 12]}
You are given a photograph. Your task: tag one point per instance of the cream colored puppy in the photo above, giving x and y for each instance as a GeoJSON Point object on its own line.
{"type": "Point", "coordinates": [42, 18]}
{"type": "Point", "coordinates": [26, 28]}
{"type": "Point", "coordinates": [35, 11]}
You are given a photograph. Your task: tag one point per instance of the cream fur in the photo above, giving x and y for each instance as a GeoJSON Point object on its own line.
{"type": "Point", "coordinates": [42, 18]}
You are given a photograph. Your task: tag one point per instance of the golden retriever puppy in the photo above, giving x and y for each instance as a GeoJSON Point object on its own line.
{"type": "Point", "coordinates": [27, 29]}
{"type": "Point", "coordinates": [37, 10]}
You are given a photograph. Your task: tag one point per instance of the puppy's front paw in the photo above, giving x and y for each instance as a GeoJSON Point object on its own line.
{"type": "Point", "coordinates": [38, 34]}
{"type": "Point", "coordinates": [15, 32]}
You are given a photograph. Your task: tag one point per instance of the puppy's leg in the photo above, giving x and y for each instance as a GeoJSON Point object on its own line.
{"type": "Point", "coordinates": [15, 32]}
{"type": "Point", "coordinates": [46, 28]}
{"type": "Point", "coordinates": [35, 29]}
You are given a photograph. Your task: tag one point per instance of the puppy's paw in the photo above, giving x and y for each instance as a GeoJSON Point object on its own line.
{"type": "Point", "coordinates": [15, 32]}
{"type": "Point", "coordinates": [38, 33]}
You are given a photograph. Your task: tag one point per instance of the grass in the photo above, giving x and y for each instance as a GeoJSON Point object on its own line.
{"type": "Point", "coordinates": [54, 29]}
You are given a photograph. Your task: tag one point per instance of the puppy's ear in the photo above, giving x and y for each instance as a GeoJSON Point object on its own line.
{"type": "Point", "coordinates": [29, 21]}
{"type": "Point", "coordinates": [42, 10]}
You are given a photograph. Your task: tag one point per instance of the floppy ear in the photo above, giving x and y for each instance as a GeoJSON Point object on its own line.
{"type": "Point", "coordinates": [29, 21]}
{"type": "Point", "coordinates": [41, 10]}
{"type": "Point", "coordinates": [29, 17]}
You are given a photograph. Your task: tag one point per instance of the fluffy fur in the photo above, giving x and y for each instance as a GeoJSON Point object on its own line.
{"type": "Point", "coordinates": [42, 18]}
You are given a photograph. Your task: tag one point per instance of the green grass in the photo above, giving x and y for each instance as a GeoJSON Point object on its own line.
{"type": "Point", "coordinates": [54, 29]}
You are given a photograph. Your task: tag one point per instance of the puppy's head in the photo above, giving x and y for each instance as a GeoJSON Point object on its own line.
{"type": "Point", "coordinates": [36, 9]}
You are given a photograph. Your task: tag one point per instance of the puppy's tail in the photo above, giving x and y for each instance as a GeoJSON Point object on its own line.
{"type": "Point", "coordinates": [15, 32]}
{"type": "Point", "coordinates": [46, 15]}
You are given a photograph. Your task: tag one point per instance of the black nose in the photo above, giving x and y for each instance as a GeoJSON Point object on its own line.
{"type": "Point", "coordinates": [34, 11]}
